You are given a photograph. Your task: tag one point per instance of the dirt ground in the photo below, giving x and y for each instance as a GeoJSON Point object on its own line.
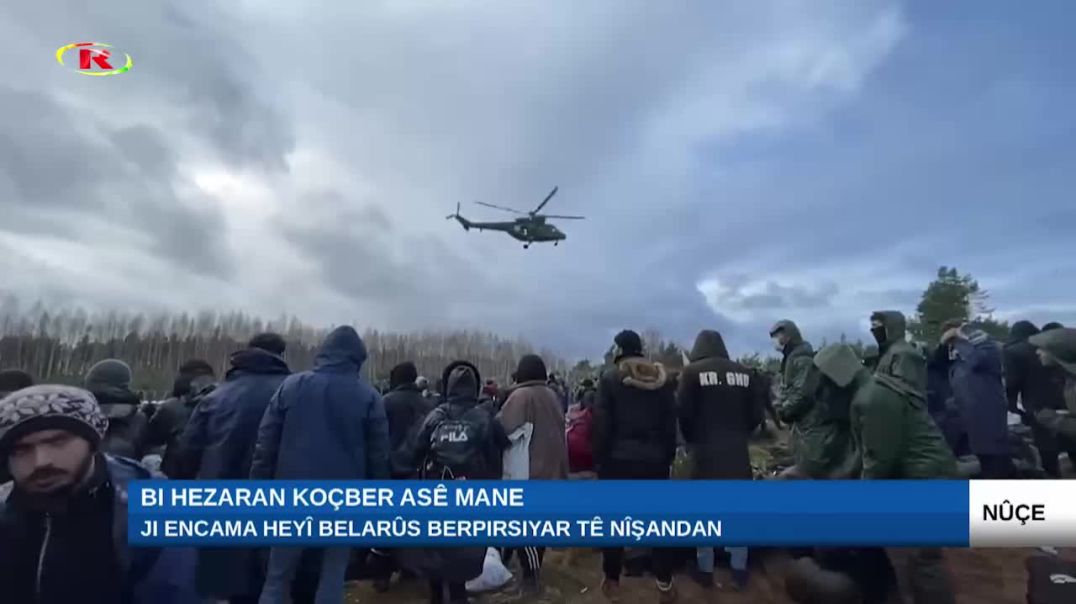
{"type": "Point", "coordinates": [981, 576]}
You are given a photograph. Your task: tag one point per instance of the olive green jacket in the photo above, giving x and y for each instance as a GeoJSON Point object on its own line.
{"type": "Point", "coordinates": [894, 435]}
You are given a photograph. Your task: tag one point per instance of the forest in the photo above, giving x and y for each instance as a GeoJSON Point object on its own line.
{"type": "Point", "coordinates": [60, 345]}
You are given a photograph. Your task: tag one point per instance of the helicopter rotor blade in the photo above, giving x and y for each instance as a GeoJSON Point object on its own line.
{"type": "Point", "coordinates": [563, 217]}
{"type": "Point", "coordinates": [496, 207]}
{"type": "Point", "coordinates": [545, 201]}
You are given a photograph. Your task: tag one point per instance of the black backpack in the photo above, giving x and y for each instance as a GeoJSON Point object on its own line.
{"type": "Point", "coordinates": [456, 444]}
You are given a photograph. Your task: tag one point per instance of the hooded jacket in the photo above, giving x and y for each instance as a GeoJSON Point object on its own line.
{"type": "Point", "coordinates": [979, 393]}
{"type": "Point", "coordinates": [820, 442]}
{"type": "Point", "coordinates": [218, 442]}
{"type": "Point", "coordinates": [327, 423]}
{"type": "Point", "coordinates": [405, 407]}
{"type": "Point", "coordinates": [535, 402]}
{"type": "Point", "coordinates": [794, 400]}
{"type": "Point", "coordinates": [899, 358]}
{"type": "Point", "coordinates": [719, 404]}
{"type": "Point", "coordinates": [635, 414]}
{"type": "Point", "coordinates": [57, 549]}
{"type": "Point", "coordinates": [894, 435]}
{"type": "Point", "coordinates": [461, 403]}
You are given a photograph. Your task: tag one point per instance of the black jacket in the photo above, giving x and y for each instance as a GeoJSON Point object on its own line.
{"type": "Point", "coordinates": [720, 404]}
{"type": "Point", "coordinates": [461, 402]}
{"type": "Point", "coordinates": [405, 407]}
{"type": "Point", "coordinates": [635, 414]}
{"type": "Point", "coordinates": [168, 422]}
{"type": "Point", "coordinates": [1030, 383]}
{"type": "Point", "coordinates": [1026, 379]}
{"type": "Point", "coordinates": [81, 554]}
{"type": "Point", "coordinates": [127, 423]}
{"type": "Point", "coordinates": [218, 440]}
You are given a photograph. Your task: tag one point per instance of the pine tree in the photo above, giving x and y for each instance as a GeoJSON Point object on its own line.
{"type": "Point", "coordinates": [953, 296]}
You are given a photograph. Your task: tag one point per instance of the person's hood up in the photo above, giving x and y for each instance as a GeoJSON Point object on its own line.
{"type": "Point", "coordinates": [838, 362]}
{"type": "Point", "coordinates": [1061, 343]}
{"type": "Point", "coordinates": [1021, 331]}
{"type": "Point", "coordinates": [342, 350]}
{"type": "Point", "coordinates": [708, 345]}
{"type": "Point", "coordinates": [258, 361]}
{"type": "Point", "coordinates": [795, 338]}
{"type": "Point", "coordinates": [896, 326]}
{"type": "Point", "coordinates": [638, 372]}
{"type": "Point", "coordinates": [461, 381]}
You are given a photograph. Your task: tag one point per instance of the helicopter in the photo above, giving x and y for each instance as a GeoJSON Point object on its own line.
{"type": "Point", "coordinates": [530, 227]}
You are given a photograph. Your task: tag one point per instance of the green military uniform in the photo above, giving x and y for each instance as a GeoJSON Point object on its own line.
{"type": "Point", "coordinates": [899, 358]}
{"type": "Point", "coordinates": [820, 440]}
{"type": "Point", "coordinates": [896, 438]}
{"type": "Point", "coordinates": [1061, 344]}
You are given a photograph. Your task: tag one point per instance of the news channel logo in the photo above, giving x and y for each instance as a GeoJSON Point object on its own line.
{"type": "Point", "coordinates": [95, 59]}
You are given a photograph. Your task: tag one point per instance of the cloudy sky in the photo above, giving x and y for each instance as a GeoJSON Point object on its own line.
{"type": "Point", "coordinates": [738, 162]}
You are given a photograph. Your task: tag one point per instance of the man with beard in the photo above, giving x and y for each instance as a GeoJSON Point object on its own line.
{"type": "Point", "coordinates": [109, 381]}
{"type": "Point", "coordinates": [63, 530]}
{"type": "Point", "coordinates": [218, 444]}
{"type": "Point", "coordinates": [634, 438]}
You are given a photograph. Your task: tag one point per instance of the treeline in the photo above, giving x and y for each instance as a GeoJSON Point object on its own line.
{"type": "Point", "coordinates": [60, 345]}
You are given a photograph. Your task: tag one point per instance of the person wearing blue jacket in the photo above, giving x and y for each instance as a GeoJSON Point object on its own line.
{"type": "Point", "coordinates": [63, 528]}
{"type": "Point", "coordinates": [218, 444]}
{"type": "Point", "coordinates": [979, 393]}
{"type": "Point", "coordinates": [323, 424]}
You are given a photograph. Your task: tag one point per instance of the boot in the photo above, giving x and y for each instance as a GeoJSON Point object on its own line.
{"type": "Point", "coordinates": [611, 590]}
{"type": "Point", "coordinates": [667, 593]}
{"type": "Point", "coordinates": [704, 579]}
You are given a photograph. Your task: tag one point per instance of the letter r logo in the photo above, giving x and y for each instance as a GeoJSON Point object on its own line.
{"type": "Point", "coordinates": [98, 56]}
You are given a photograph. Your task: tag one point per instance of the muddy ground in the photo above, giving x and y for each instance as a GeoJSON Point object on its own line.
{"type": "Point", "coordinates": [981, 576]}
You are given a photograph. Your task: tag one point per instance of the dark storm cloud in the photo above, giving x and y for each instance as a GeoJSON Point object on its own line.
{"type": "Point", "coordinates": [410, 282]}
{"type": "Point", "coordinates": [190, 63]}
{"type": "Point", "coordinates": [64, 173]}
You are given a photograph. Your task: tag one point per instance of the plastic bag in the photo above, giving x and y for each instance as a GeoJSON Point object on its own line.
{"type": "Point", "coordinates": [517, 457]}
{"type": "Point", "coordinates": [494, 574]}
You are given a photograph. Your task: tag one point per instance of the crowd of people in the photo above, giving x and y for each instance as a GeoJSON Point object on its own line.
{"type": "Point", "coordinates": [901, 411]}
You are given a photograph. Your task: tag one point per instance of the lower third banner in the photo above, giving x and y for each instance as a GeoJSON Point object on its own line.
{"type": "Point", "coordinates": [548, 513]}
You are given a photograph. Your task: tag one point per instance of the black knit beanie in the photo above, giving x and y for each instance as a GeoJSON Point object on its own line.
{"type": "Point", "coordinates": [629, 342]}
{"type": "Point", "coordinates": [531, 368]}
{"type": "Point", "coordinates": [404, 373]}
